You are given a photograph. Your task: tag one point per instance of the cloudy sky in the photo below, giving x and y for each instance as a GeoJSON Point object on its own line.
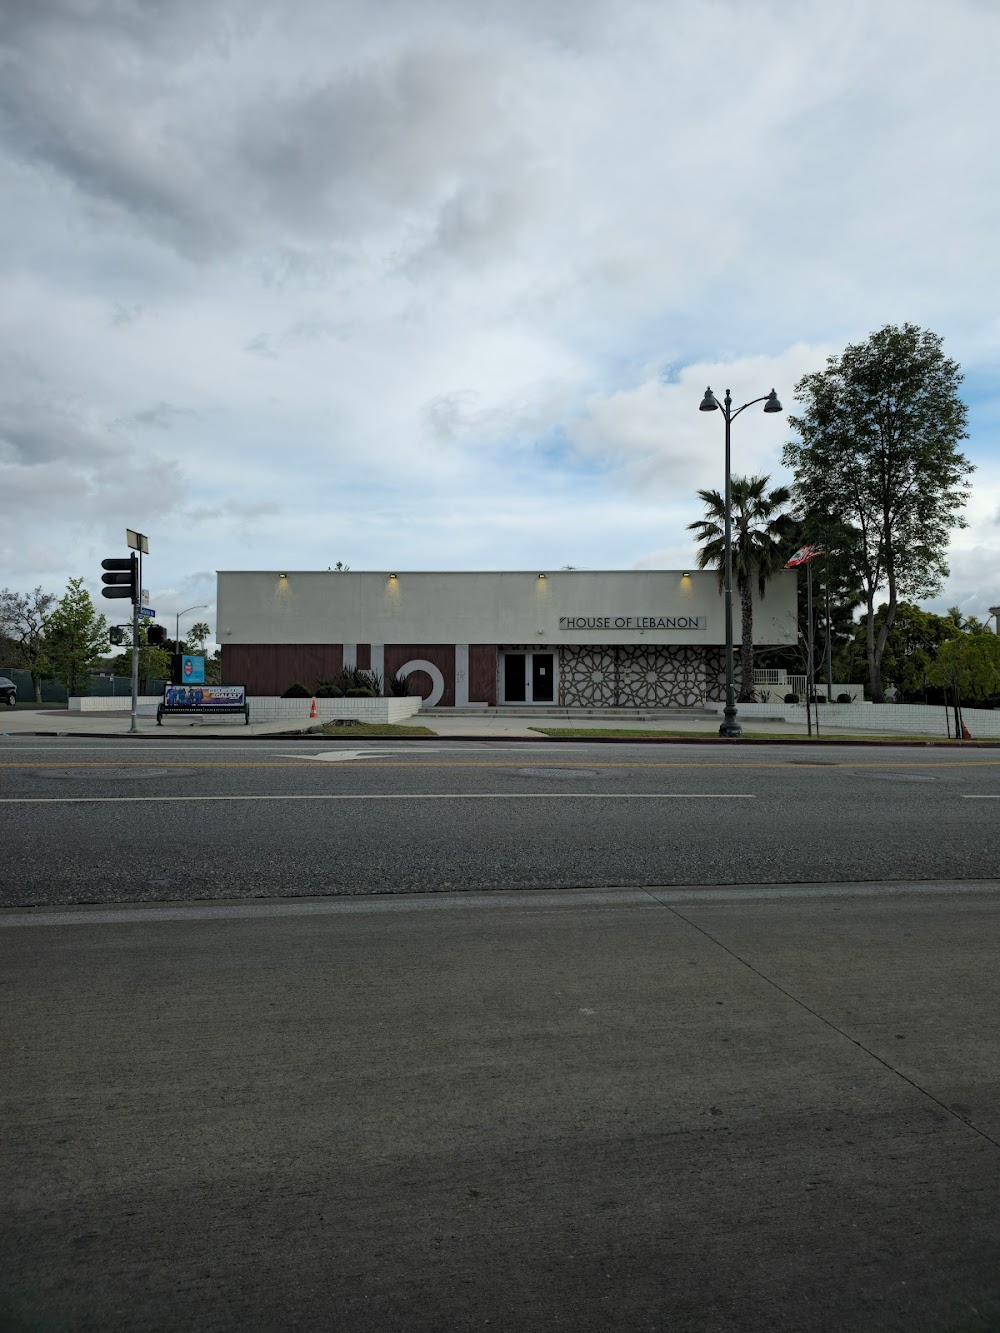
{"type": "Point", "coordinates": [438, 284]}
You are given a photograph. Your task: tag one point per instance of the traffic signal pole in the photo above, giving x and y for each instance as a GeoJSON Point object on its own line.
{"type": "Point", "coordinates": [124, 579]}
{"type": "Point", "coordinates": [133, 729]}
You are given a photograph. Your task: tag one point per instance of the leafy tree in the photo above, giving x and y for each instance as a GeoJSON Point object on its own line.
{"type": "Point", "coordinates": [969, 664]}
{"type": "Point", "coordinates": [213, 668]}
{"type": "Point", "coordinates": [845, 596]}
{"type": "Point", "coordinates": [23, 620]}
{"type": "Point", "coordinates": [911, 650]}
{"type": "Point", "coordinates": [154, 662]}
{"type": "Point", "coordinates": [76, 637]}
{"type": "Point", "coordinates": [758, 527]}
{"type": "Point", "coordinates": [877, 453]}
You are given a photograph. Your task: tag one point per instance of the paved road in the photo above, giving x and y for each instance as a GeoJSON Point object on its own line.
{"type": "Point", "coordinates": [677, 1110]}
{"type": "Point", "coordinates": [135, 821]}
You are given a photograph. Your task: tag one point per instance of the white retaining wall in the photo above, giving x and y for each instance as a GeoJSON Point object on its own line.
{"type": "Point", "coordinates": [267, 709]}
{"type": "Point", "coordinates": [107, 703]}
{"type": "Point", "coordinates": [895, 719]}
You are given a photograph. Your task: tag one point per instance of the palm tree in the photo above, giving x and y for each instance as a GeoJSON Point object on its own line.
{"type": "Point", "coordinates": [199, 633]}
{"type": "Point", "coordinates": [759, 524]}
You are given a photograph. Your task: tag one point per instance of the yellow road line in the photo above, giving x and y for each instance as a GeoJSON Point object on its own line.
{"type": "Point", "coordinates": [523, 763]}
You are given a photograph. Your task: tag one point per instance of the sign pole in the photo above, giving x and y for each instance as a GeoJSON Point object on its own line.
{"type": "Point", "coordinates": [133, 728]}
{"type": "Point", "coordinates": [139, 543]}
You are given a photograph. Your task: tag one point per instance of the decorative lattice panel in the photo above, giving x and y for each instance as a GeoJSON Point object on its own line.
{"type": "Point", "coordinates": [679, 676]}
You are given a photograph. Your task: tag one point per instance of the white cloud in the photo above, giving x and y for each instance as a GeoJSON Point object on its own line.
{"type": "Point", "coordinates": [437, 286]}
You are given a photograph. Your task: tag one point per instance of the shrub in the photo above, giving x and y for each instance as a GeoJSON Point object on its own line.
{"type": "Point", "coordinates": [791, 698]}
{"type": "Point", "coordinates": [328, 689]}
{"type": "Point", "coordinates": [844, 698]}
{"type": "Point", "coordinates": [353, 678]}
{"type": "Point", "coordinates": [359, 693]}
{"type": "Point", "coordinates": [297, 691]}
{"type": "Point", "coordinates": [399, 685]}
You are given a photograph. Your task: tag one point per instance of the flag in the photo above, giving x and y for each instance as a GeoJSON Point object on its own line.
{"type": "Point", "coordinates": [803, 555]}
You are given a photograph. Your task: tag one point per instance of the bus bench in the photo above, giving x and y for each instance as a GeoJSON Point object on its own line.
{"type": "Point", "coordinates": [203, 700]}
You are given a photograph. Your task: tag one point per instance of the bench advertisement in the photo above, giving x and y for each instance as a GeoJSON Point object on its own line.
{"type": "Point", "coordinates": [204, 696]}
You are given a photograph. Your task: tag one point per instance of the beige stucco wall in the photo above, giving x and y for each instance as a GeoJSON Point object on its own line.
{"type": "Point", "coordinates": [487, 607]}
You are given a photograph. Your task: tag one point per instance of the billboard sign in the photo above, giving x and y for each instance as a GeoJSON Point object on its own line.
{"type": "Point", "coordinates": [192, 669]}
{"type": "Point", "coordinates": [205, 696]}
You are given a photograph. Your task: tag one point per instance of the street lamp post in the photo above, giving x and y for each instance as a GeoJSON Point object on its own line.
{"type": "Point", "coordinates": [202, 606]}
{"type": "Point", "coordinates": [730, 726]}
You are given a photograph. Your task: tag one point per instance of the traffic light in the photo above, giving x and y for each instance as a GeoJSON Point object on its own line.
{"type": "Point", "coordinates": [117, 634]}
{"type": "Point", "coordinates": [155, 635]}
{"type": "Point", "coordinates": [124, 581]}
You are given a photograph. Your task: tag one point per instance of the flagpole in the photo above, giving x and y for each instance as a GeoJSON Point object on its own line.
{"type": "Point", "coordinates": [809, 642]}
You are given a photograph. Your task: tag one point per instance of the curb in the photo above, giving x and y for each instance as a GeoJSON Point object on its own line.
{"type": "Point", "coordinates": [315, 734]}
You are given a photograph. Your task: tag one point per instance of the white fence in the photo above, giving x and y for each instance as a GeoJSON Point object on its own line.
{"type": "Point", "coordinates": [892, 719]}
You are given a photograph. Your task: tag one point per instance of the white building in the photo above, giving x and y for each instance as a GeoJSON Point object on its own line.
{"type": "Point", "coordinates": [649, 638]}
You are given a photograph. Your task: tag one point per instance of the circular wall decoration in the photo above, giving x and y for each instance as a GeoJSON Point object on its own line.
{"type": "Point", "coordinates": [437, 680]}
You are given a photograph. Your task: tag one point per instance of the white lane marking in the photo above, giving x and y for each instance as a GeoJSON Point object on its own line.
{"type": "Point", "coordinates": [341, 756]}
{"type": "Point", "coordinates": [989, 797]}
{"type": "Point", "coordinates": [495, 899]}
{"type": "Point", "coordinates": [328, 756]}
{"type": "Point", "coordinates": [401, 796]}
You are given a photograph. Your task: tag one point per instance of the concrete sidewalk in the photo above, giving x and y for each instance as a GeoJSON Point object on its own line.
{"type": "Point", "coordinates": [61, 722]}
{"type": "Point", "coordinates": [523, 726]}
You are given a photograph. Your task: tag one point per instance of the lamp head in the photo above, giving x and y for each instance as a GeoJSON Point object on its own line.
{"type": "Point", "coordinates": [771, 404]}
{"type": "Point", "coordinates": [709, 403]}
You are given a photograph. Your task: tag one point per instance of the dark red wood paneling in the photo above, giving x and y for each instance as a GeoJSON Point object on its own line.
{"type": "Point", "coordinates": [364, 656]}
{"type": "Point", "coordinates": [483, 673]}
{"type": "Point", "coordinates": [269, 668]}
{"type": "Point", "coordinates": [441, 654]}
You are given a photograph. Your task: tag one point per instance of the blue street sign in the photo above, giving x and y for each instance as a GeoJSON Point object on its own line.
{"type": "Point", "coordinates": [147, 612]}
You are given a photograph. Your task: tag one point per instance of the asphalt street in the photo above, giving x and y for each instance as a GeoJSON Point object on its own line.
{"type": "Point", "coordinates": [140, 821]}
{"type": "Point", "coordinates": [670, 1110]}
{"type": "Point", "coordinates": [716, 1048]}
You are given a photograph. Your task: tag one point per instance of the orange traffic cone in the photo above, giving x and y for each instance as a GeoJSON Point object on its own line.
{"type": "Point", "coordinates": [966, 733]}
{"type": "Point", "coordinates": [312, 711]}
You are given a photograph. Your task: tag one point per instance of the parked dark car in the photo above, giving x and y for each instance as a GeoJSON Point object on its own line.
{"type": "Point", "coordinates": [8, 691]}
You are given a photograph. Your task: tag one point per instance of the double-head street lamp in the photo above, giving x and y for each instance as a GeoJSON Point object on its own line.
{"type": "Point", "coordinates": [730, 727]}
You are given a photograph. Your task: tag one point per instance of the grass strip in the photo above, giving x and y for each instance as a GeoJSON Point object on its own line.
{"type": "Point", "coordinates": [348, 729]}
{"type": "Point", "coordinates": [868, 738]}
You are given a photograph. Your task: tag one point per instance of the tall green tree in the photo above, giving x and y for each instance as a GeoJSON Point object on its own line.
{"type": "Point", "coordinates": [76, 637]}
{"type": "Point", "coordinates": [911, 650]}
{"type": "Point", "coordinates": [968, 666]}
{"type": "Point", "coordinates": [23, 620]}
{"type": "Point", "coordinates": [759, 525]}
{"type": "Point", "coordinates": [878, 455]}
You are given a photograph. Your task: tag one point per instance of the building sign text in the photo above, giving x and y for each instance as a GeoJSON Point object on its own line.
{"type": "Point", "coordinates": [633, 622]}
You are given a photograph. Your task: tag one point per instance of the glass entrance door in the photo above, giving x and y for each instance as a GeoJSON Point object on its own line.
{"type": "Point", "coordinates": [529, 678]}
{"type": "Point", "coordinates": [515, 689]}
{"type": "Point", "coordinates": [542, 678]}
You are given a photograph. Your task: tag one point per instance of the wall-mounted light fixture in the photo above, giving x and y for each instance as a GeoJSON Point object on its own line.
{"type": "Point", "coordinates": [392, 576]}
{"type": "Point", "coordinates": [541, 576]}
{"type": "Point", "coordinates": [686, 574]}
{"type": "Point", "coordinates": [282, 576]}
